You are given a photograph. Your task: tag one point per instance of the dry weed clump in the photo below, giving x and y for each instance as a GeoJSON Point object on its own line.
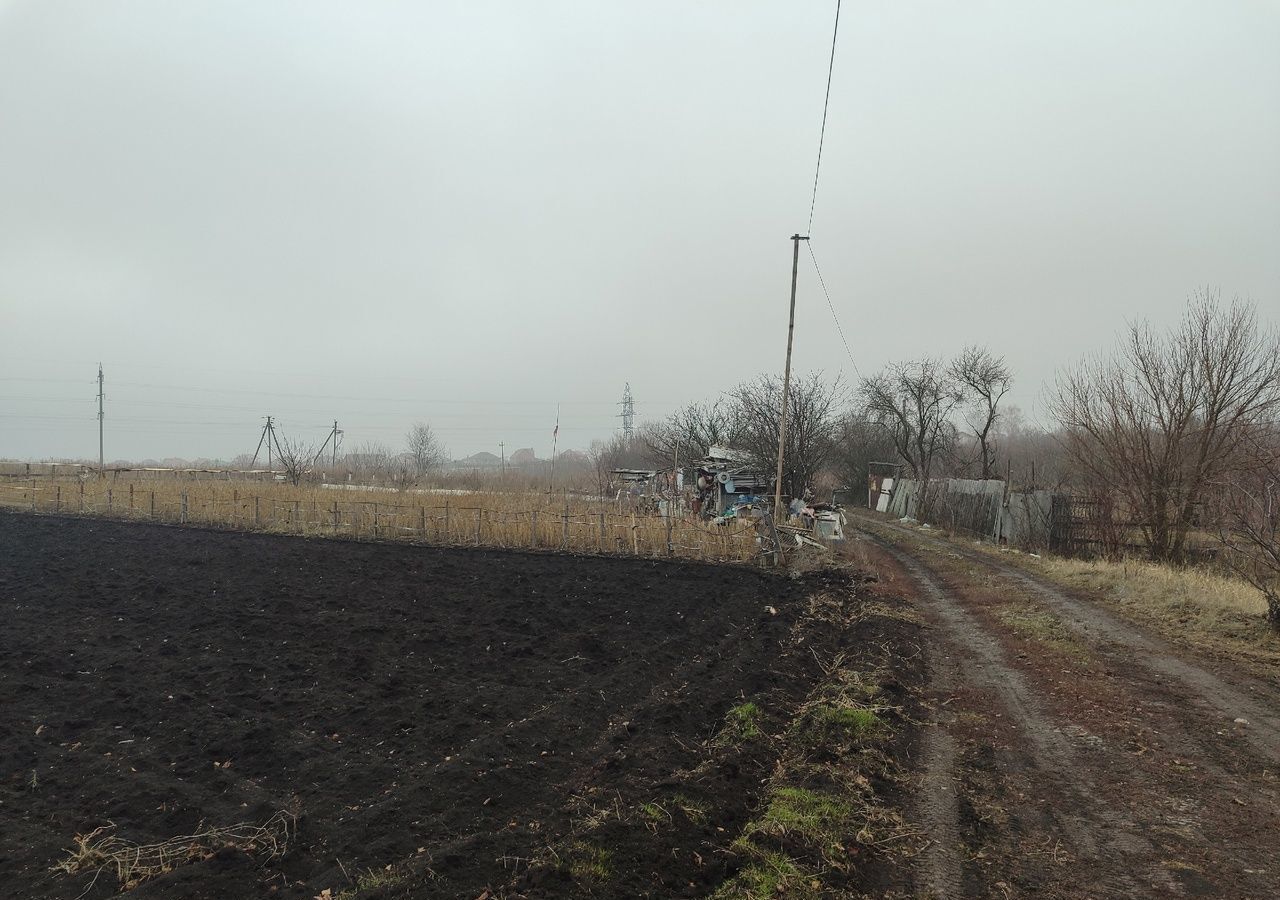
{"type": "Point", "coordinates": [134, 863]}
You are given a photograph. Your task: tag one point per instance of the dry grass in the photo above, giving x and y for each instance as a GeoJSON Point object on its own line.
{"type": "Point", "coordinates": [134, 863]}
{"type": "Point", "coordinates": [1190, 605]}
{"type": "Point", "coordinates": [503, 519]}
{"type": "Point", "coordinates": [1196, 591]}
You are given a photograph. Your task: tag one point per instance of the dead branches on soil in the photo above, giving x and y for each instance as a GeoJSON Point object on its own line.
{"type": "Point", "coordinates": [134, 863]}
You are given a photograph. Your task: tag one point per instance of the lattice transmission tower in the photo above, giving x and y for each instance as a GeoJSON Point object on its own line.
{"type": "Point", "coordinates": [628, 414]}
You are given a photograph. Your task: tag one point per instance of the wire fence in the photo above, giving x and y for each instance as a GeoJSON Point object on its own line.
{"type": "Point", "coordinates": [534, 522]}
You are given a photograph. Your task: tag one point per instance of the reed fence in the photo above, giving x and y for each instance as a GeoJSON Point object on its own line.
{"type": "Point", "coordinates": [509, 521]}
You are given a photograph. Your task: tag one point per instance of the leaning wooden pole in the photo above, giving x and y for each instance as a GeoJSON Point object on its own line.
{"type": "Point", "coordinates": [786, 378]}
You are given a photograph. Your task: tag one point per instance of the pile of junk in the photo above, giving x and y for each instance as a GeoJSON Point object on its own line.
{"type": "Point", "coordinates": [822, 520]}
{"type": "Point", "coordinates": [729, 488]}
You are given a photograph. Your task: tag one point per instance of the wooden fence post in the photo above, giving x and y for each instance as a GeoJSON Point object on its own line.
{"type": "Point", "coordinates": [335, 516]}
{"type": "Point", "coordinates": [82, 497]}
{"type": "Point", "coordinates": [57, 498]}
{"type": "Point", "coordinates": [153, 504]}
{"type": "Point", "coordinates": [422, 521]}
{"type": "Point", "coordinates": [375, 520]}
{"type": "Point", "coordinates": [297, 515]}
{"type": "Point", "coordinates": [671, 549]}
{"type": "Point", "coordinates": [564, 537]}
{"type": "Point", "coordinates": [601, 532]}
{"type": "Point", "coordinates": [446, 520]}
{"type": "Point", "coordinates": [635, 539]}
{"type": "Point", "coordinates": [109, 501]}
{"type": "Point", "coordinates": [479, 519]}
{"type": "Point", "coordinates": [256, 518]}
{"type": "Point", "coordinates": [182, 515]}
{"type": "Point", "coordinates": [130, 496]}
{"type": "Point", "coordinates": [533, 530]}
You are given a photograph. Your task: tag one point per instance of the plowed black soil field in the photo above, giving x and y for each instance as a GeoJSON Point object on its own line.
{"type": "Point", "coordinates": [435, 718]}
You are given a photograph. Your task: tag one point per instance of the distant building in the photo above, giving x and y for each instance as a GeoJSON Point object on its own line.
{"type": "Point", "coordinates": [523, 457]}
{"type": "Point", "coordinates": [476, 462]}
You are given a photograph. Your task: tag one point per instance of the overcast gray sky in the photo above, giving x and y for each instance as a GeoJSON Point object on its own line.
{"type": "Point", "coordinates": [470, 212]}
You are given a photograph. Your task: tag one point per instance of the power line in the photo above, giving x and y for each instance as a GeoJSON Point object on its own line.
{"type": "Point", "coordinates": [822, 281]}
{"type": "Point", "coordinates": [175, 386]}
{"type": "Point", "coordinates": [822, 134]}
{"type": "Point", "coordinates": [825, 102]}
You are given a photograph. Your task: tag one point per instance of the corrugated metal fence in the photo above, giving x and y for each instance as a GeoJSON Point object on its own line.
{"type": "Point", "coordinates": [981, 508]}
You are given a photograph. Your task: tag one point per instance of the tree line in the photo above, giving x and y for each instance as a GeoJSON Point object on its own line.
{"type": "Point", "coordinates": [1176, 427]}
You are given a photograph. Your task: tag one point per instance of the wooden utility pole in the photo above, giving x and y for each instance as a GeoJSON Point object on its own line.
{"type": "Point", "coordinates": [786, 377]}
{"type": "Point", "coordinates": [332, 436]}
{"type": "Point", "coordinates": [100, 465]}
{"type": "Point", "coordinates": [675, 477]}
{"type": "Point", "coordinates": [555, 439]}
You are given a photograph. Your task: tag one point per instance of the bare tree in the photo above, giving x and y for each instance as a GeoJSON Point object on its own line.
{"type": "Point", "coordinates": [425, 450]}
{"type": "Point", "coordinates": [695, 428]}
{"type": "Point", "coordinates": [605, 457]}
{"type": "Point", "coordinates": [913, 402]}
{"type": "Point", "coordinates": [859, 443]}
{"type": "Point", "coordinates": [1249, 519]}
{"type": "Point", "coordinates": [370, 459]}
{"type": "Point", "coordinates": [812, 426]}
{"type": "Point", "coordinates": [1034, 457]}
{"type": "Point", "coordinates": [1164, 413]}
{"type": "Point", "coordinates": [986, 378]}
{"type": "Point", "coordinates": [295, 458]}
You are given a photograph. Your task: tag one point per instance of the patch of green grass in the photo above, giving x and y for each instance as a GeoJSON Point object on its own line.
{"type": "Point", "coordinates": [694, 811]}
{"type": "Point", "coordinates": [853, 720]}
{"type": "Point", "coordinates": [829, 725]}
{"type": "Point", "coordinates": [370, 880]}
{"type": "Point", "coordinates": [590, 863]}
{"type": "Point", "coordinates": [654, 812]}
{"type": "Point", "coordinates": [1038, 625]}
{"type": "Point", "coordinates": [821, 820]}
{"type": "Point", "coordinates": [771, 875]}
{"type": "Point", "coordinates": [742, 723]}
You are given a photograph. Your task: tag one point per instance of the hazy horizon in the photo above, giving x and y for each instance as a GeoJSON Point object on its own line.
{"type": "Point", "coordinates": [473, 213]}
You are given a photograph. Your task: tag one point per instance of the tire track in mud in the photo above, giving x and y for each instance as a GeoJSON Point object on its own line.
{"type": "Point", "coordinates": [938, 803]}
{"type": "Point", "coordinates": [1217, 697]}
{"type": "Point", "coordinates": [1082, 820]}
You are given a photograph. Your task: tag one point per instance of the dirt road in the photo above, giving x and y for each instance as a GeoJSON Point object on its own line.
{"type": "Point", "coordinates": [1073, 754]}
